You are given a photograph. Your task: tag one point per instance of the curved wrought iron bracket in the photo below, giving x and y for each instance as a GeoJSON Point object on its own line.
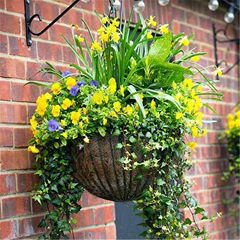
{"type": "Point", "coordinates": [28, 21]}
{"type": "Point", "coordinates": [226, 39]}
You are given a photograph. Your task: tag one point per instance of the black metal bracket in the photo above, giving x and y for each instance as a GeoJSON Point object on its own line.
{"type": "Point", "coordinates": [28, 20]}
{"type": "Point", "coordinates": [226, 39]}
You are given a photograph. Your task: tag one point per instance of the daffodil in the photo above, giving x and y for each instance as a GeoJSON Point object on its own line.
{"type": "Point", "coordinates": [115, 36]}
{"type": "Point", "coordinates": [195, 59]}
{"type": "Point", "coordinates": [151, 22]}
{"type": "Point", "coordinates": [164, 29]}
{"type": "Point", "coordinates": [149, 35]}
{"type": "Point", "coordinates": [128, 109]}
{"type": "Point", "coordinates": [218, 71]}
{"type": "Point", "coordinates": [80, 39]}
{"type": "Point", "coordinates": [194, 131]}
{"type": "Point", "coordinates": [105, 20]}
{"type": "Point", "coordinates": [184, 41]}
{"type": "Point", "coordinates": [188, 82]}
{"type": "Point", "coordinates": [104, 37]}
{"type": "Point", "coordinates": [178, 96]}
{"type": "Point", "coordinates": [96, 46]}
{"type": "Point", "coordinates": [192, 145]}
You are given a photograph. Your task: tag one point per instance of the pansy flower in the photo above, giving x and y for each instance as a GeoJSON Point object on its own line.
{"type": "Point", "coordinates": [74, 90]}
{"type": "Point", "coordinates": [53, 125]}
{"type": "Point", "coordinates": [66, 74]}
{"type": "Point", "coordinates": [81, 83]}
{"type": "Point", "coordinates": [94, 83]}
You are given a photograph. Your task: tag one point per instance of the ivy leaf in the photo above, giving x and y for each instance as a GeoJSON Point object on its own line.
{"type": "Point", "coordinates": [119, 146]}
{"type": "Point", "coordinates": [199, 210]}
{"type": "Point", "coordinates": [102, 131]}
{"type": "Point", "coordinates": [188, 221]}
{"type": "Point", "coordinates": [160, 182]}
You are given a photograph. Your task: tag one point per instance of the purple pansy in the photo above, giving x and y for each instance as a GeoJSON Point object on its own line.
{"type": "Point", "coordinates": [74, 90]}
{"type": "Point", "coordinates": [53, 125]}
{"type": "Point", "coordinates": [66, 73]}
{"type": "Point", "coordinates": [94, 83]}
{"type": "Point", "coordinates": [81, 84]}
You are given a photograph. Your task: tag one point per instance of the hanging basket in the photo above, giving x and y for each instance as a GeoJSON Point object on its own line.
{"type": "Point", "coordinates": [99, 172]}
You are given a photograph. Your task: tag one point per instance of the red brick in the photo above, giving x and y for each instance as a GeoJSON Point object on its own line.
{"type": "Point", "coordinates": [85, 218]}
{"type": "Point", "coordinates": [6, 137]}
{"type": "Point", "coordinates": [8, 229]}
{"type": "Point", "coordinates": [11, 113]}
{"type": "Point", "coordinates": [22, 137]}
{"type": "Point", "coordinates": [5, 90]}
{"type": "Point", "coordinates": [104, 214]}
{"type": "Point", "coordinates": [52, 10]}
{"type": "Point", "coordinates": [72, 17]}
{"type": "Point", "coordinates": [3, 43]}
{"type": "Point", "coordinates": [7, 183]}
{"type": "Point", "coordinates": [9, 23]}
{"type": "Point", "coordinates": [16, 206]}
{"type": "Point", "coordinates": [91, 200]}
{"type": "Point", "coordinates": [12, 68]}
{"type": "Point", "coordinates": [24, 93]}
{"type": "Point", "coordinates": [26, 181]}
{"type": "Point", "coordinates": [57, 32]}
{"type": "Point", "coordinates": [110, 231]}
{"type": "Point", "coordinates": [91, 20]}
{"type": "Point", "coordinates": [17, 46]}
{"type": "Point", "coordinates": [29, 226]}
{"type": "Point", "coordinates": [15, 6]}
{"type": "Point", "coordinates": [48, 51]}
{"type": "Point", "coordinates": [14, 159]}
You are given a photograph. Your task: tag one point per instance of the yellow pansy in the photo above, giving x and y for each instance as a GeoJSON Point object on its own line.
{"type": "Point", "coordinates": [56, 88]}
{"type": "Point", "coordinates": [113, 114]}
{"type": "Point", "coordinates": [106, 99]}
{"type": "Point", "coordinates": [66, 103]}
{"type": "Point", "coordinates": [75, 117]}
{"type": "Point", "coordinates": [195, 59]}
{"type": "Point", "coordinates": [231, 124]}
{"type": "Point", "coordinates": [85, 111]}
{"type": "Point", "coordinates": [184, 41]}
{"type": "Point", "coordinates": [198, 104]}
{"type": "Point", "coordinates": [64, 134]}
{"type": "Point", "coordinates": [112, 85]}
{"type": "Point", "coordinates": [56, 110]}
{"type": "Point", "coordinates": [128, 109]}
{"type": "Point", "coordinates": [70, 82]}
{"type": "Point", "coordinates": [149, 35]}
{"type": "Point", "coordinates": [104, 121]}
{"type": "Point", "coordinates": [237, 122]}
{"type": "Point", "coordinates": [63, 123]}
{"type": "Point", "coordinates": [192, 145]}
{"type": "Point", "coordinates": [85, 119]}
{"type": "Point", "coordinates": [96, 46]}
{"type": "Point", "coordinates": [178, 115]}
{"type": "Point", "coordinates": [238, 114]}
{"type": "Point", "coordinates": [227, 131]}
{"type": "Point", "coordinates": [97, 97]}
{"type": "Point", "coordinates": [230, 116]}
{"type": "Point", "coordinates": [47, 96]}
{"type": "Point", "coordinates": [164, 29]}
{"type": "Point", "coordinates": [33, 149]}
{"type": "Point", "coordinates": [41, 108]}
{"type": "Point", "coordinates": [188, 82]}
{"type": "Point", "coordinates": [122, 89]}
{"type": "Point", "coordinates": [33, 122]}
{"type": "Point", "coordinates": [117, 106]}
{"type": "Point", "coordinates": [151, 22]}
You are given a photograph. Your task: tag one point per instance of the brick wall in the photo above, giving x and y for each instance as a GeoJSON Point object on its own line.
{"type": "Point", "coordinates": [19, 215]}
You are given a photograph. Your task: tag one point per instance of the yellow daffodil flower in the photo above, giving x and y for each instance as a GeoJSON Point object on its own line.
{"type": "Point", "coordinates": [178, 96]}
{"type": "Point", "coordinates": [128, 109]}
{"type": "Point", "coordinates": [115, 36]}
{"type": "Point", "coordinates": [192, 145]}
{"type": "Point", "coordinates": [151, 22]}
{"type": "Point", "coordinates": [195, 132]}
{"type": "Point", "coordinates": [164, 29]}
{"type": "Point", "coordinates": [184, 41]}
{"type": "Point", "coordinates": [80, 39]}
{"type": "Point", "coordinates": [188, 82]}
{"type": "Point", "coordinates": [104, 37]}
{"type": "Point", "coordinates": [96, 46]}
{"type": "Point", "coordinates": [218, 71]}
{"type": "Point", "coordinates": [149, 35]}
{"type": "Point", "coordinates": [105, 20]}
{"type": "Point", "coordinates": [195, 59]}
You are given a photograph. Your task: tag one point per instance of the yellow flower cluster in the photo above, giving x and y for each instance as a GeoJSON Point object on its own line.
{"type": "Point", "coordinates": [42, 103]}
{"type": "Point", "coordinates": [109, 30]}
{"type": "Point", "coordinates": [34, 125]}
{"type": "Point", "coordinates": [112, 85]}
{"type": "Point", "coordinates": [70, 82]}
{"type": "Point", "coordinates": [233, 120]}
{"type": "Point", "coordinates": [186, 96]}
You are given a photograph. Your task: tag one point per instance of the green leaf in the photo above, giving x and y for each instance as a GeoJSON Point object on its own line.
{"type": "Point", "coordinates": [119, 146]}
{"type": "Point", "coordinates": [160, 49]}
{"type": "Point", "coordinates": [160, 182]}
{"type": "Point", "coordinates": [132, 139]}
{"type": "Point", "coordinates": [199, 210]}
{"type": "Point", "coordinates": [102, 131]}
{"type": "Point", "coordinates": [188, 221]}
